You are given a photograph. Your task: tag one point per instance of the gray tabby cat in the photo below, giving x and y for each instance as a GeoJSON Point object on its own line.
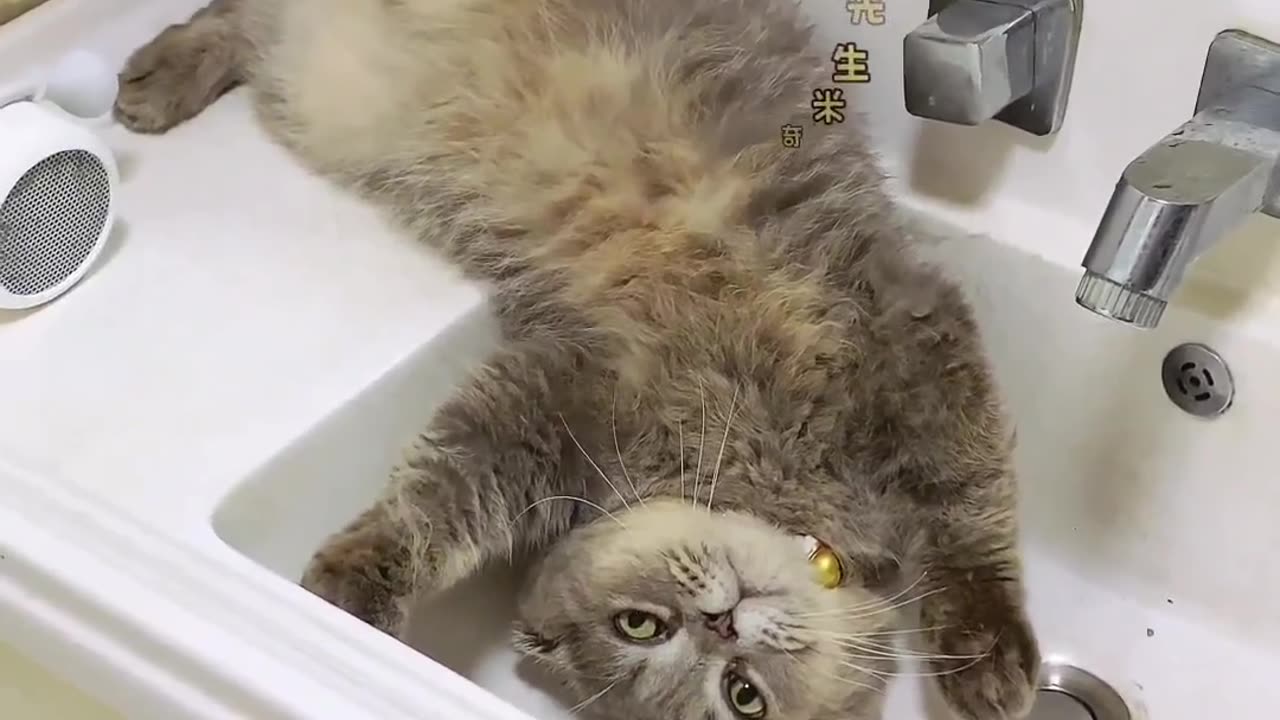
{"type": "Point", "coordinates": [716, 345]}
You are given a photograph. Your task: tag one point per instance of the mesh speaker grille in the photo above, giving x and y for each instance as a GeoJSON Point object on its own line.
{"type": "Point", "coordinates": [51, 220]}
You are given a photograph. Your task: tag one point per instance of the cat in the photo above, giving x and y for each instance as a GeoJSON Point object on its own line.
{"type": "Point", "coordinates": [750, 438]}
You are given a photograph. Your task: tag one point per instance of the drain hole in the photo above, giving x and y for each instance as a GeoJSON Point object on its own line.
{"type": "Point", "coordinates": [1197, 380]}
{"type": "Point", "coordinates": [1058, 705]}
{"type": "Point", "coordinates": [1070, 693]}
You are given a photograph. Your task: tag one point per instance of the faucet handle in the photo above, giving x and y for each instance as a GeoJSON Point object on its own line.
{"type": "Point", "coordinates": [974, 60]}
{"type": "Point", "coordinates": [969, 62]}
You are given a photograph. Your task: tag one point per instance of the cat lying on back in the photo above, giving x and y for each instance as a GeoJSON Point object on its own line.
{"type": "Point", "coordinates": [717, 345]}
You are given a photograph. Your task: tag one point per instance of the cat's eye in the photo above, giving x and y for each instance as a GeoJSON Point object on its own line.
{"type": "Point", "coordinates": [639, 626]}
{"type": "Point", "coordinates": [745, 699]}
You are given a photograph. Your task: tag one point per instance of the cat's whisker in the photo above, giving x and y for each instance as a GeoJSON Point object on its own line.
{"type": "Point", "coordinates": [896, 658]}
{"type": "Point", "coordinates": [573, 498]}
{"type": "Point", "coordinates": [613, 421]}
{"type": "Point", "coordinates": [578, 708]}
{"type": "Point", "coordinates": [906, 590]}
{"type": "Point", "coordinates": [958, 657]}
{"type": "Point", "coordinates": [680, 425]}
{"type": "Point", "coordinates": [715, 476]}
{"type": "Point", "coordinates": [939, 673]}
{"type": "Point", "coordinates": [889, 646]}
{"type": "Point", "coordinates": [900, 654]}
{"type": "Point", "coordinates": [878, 674]}
{"type": "Point", "coordinates": [896, 606]}
{"type": "Point", "coordinates": [872, 603]}
{"type": "Point", "coordinates": [702, 441]}
{"type": "Point", "coordinates": [890, 674]}
{"type": "Point", "coordinates": [837, 678]}
{"type": "Point", "coordinates": [583, 450]}
{"type": "Point", "coordinates": [905, 631]}
{"type": "Point", "coordinates": [859, 613]}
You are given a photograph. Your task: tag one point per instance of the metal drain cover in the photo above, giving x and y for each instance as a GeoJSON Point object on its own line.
{"type": "Point", "coordinates": [1197, 380]}
{"type": "Point", "coordinates": [1055, 705]}
{"type": "Point", "coordinates": [1070, 693]}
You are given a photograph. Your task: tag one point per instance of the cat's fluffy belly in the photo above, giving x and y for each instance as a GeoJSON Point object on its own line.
{"type": "Point", "coordinates": [715, 342]}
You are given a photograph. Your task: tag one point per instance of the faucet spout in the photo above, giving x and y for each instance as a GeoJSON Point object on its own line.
{"type": "Point", "coordinates": [1188, 190]}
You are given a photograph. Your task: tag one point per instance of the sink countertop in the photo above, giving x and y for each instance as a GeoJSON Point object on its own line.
{"type": "Point", "coordinates": [239, 300]}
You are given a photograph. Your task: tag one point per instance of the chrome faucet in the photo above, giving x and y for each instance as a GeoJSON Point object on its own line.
{"type": "Point", "coordinates": [1189, 189]}
{"type": "Point", "coordinates": [1011, 60]}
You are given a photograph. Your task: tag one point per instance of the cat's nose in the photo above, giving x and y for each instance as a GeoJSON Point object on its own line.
{"type": "Point", "coordinates": [721, 624]}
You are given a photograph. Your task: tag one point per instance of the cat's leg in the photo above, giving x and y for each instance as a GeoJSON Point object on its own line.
{"type": "Point", "coordinates": [974, 596]}
{"type": "Point", "coordinates": [184, 69]}
{"type": "Point", "coordinates": [467, 492]}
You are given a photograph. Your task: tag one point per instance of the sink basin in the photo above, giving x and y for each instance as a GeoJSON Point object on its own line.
{"type": "Point", "coordinates": [1143, 566]}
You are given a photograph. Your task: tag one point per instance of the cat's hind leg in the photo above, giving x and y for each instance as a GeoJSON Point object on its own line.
{"type": "Point", "coordinates": [183, 70]}
{"type": "Point", "coordinates": [468, 492]}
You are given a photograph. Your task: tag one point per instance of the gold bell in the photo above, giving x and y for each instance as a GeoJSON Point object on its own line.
{"type": "Point", "coordinates": [827, 567]}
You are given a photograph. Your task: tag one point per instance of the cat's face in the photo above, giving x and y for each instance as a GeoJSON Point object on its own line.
{"type": "Point", "coordinates": [679, 614]}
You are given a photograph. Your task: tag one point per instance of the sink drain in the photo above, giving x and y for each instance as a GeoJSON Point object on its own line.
{"type": "Point", "coordinates": [1070, 693]}
{"type": "Point", "coordinates": [1197, 380]}
{"type": "Point", "coordinates": [1055, 705]}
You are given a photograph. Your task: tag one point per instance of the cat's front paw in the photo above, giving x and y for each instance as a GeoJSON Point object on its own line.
{"type": "Point", "coordinates": [362, 571]}
{"type": "Point", "coordinates": [174, 77]}
{"type": "Point", "coordinates": [991, 668]}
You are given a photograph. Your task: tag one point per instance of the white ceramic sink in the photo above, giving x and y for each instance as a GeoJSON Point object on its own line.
{"type": "Point", "coordinates": [262, 344]}
{"type": "Point", "coordinates": [1115, 480]}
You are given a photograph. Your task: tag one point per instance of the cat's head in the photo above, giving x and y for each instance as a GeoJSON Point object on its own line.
{"type": "Point", "coordinates": [676, 613]}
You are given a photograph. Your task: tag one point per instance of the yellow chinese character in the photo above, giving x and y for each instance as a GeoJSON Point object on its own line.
{"type": "Point", "coordinates": [828, 104]}
{"type": "Point", "coordinates": [791, 136]}
{"type": "Point", "coordinates": [851, 64]}
{"type": "Point", "coordinates": [869, 11]}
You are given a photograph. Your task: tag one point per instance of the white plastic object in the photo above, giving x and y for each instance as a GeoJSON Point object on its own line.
{"type": "Point", "coordinates": [79, 82]}
{"type": "Point", "coordinates": [83, 85]}
{"type": "Point", "coordinates": [52, 222]}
